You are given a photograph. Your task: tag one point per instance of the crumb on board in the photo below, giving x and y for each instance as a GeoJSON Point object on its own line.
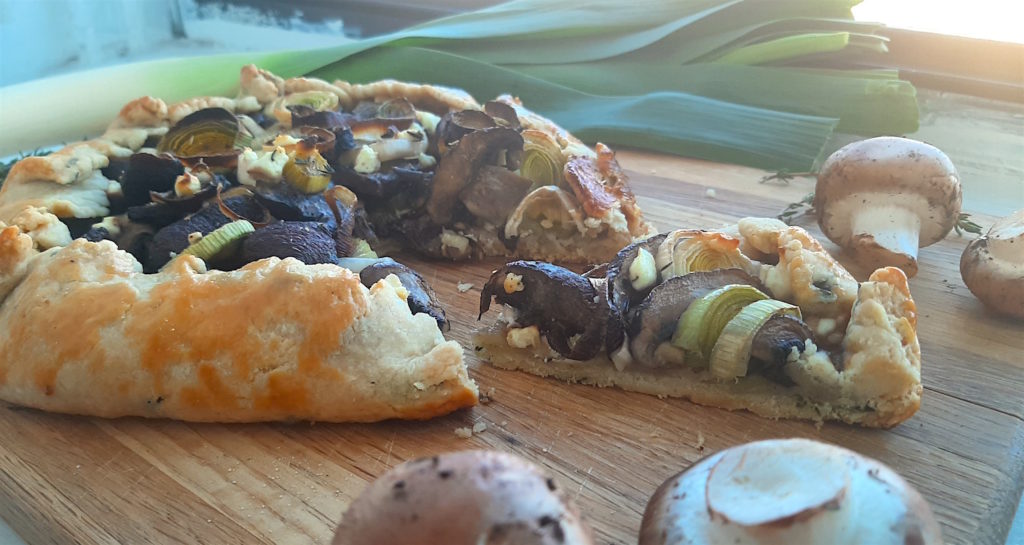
{"type": "Point", "coordinates": [710, 193]}
{"type": "Point", "coordinates": [463, 287]}
{"type": "Point", "coordinates": [487, 396]}
{"type": "Point", "coordinates": [467, 432]}
{"type": "Point", "coordinates": [700, 441]}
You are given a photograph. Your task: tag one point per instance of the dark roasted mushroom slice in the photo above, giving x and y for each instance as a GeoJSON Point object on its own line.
{"type": "Point", "coordinates": [503, 114]}
{"type": "Point", "coordinates": [309, 242]}
{"type": "Point", "coordinates": [386, 183]}
{"type": "Point", "coordinates": [567, 309]}
{"type": "Point", "coordinates": [173, 238]}
{"type": "Point", "coordinates": [777, 338]}
{"type": "Point", "coordinates": [343, 205]}
{"type": "Point", "coordinates": [421, 297]}
{"type": "Point", "coordinates": [455, 125]}
{"type": "Point", "coordinates": [460, 164]}
{"type": "Point", "coordinates": [657, 316]}
{"type": "Point", "coordinates": [287, 203]}
{"type": "Point", "coordinates": [148, 173]}
{"type": "Point", "coordinates": [495, 193]}
{"type": "Point", "coordinates": [624, 279]}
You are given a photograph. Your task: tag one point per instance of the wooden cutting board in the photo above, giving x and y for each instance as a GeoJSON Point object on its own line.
{"type": "Point", "coordinates": [84, 480]}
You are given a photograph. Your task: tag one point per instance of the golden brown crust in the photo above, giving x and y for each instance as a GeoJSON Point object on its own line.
{"type": "Point", "coordinates": [87, 333]}
{"type": "Point", "coordinates": [434, 98]}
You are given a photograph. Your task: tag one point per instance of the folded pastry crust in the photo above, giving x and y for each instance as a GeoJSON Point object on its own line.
{"type": "Point", "coordinates": [87, 332]}
{"type": "Point", "coordinates": [877, 383]}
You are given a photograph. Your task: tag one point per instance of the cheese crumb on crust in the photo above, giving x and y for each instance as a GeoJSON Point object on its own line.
{"type": "Point", "coordinates": [523, 337]}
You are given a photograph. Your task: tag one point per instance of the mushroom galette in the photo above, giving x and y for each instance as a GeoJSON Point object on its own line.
{"type": "Point", "coordinates": [757, 317]}
{"type": "Point", "coordinates": [217, 259]}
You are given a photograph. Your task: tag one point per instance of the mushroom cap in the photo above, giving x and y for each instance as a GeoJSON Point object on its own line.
{"type": "Point", "coordinates": [464, 498]}
{"type": "Point", "coordinates": [893, 167]}
{"type": "Point", "coordinates": [992, 266]}
{"type": "Point", "coordinates": [788, 491]}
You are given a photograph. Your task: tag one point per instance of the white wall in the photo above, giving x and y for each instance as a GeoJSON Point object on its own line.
{"type": "Point", "coordinates": [42, 37]}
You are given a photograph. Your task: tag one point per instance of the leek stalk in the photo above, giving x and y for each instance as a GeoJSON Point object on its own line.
{"type": "Point", "coordinates": [743, 81]}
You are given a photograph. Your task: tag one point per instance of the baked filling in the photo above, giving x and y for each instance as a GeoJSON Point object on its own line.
{"type": "Point", "coordinates": [762, 311]}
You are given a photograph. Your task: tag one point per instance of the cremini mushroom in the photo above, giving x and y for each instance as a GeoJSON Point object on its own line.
{"type": "Point", "coordinates": [883, 198]}
{"type": "Point", "coordinates": [993, 266]}
{"type": "Point", "coordinates": [464, 498]}
{"type": "Point", "coordinates": [788, 491]}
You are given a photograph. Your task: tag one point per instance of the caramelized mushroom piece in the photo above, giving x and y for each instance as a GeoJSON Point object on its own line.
{"type": "Point", "coordinates": [495, 193]}
{"type": "Point", "coordinates": [309, 242]}
{"type": "Point", "coordinates": [455, 125]}
{"type": "Point", "coordinates": [287, 203]}
{"type": "Point", "coordinates": [460, 164]}
{"type": "Point", "coordinates": [503, 114]}
{"type": "Point", "coordinates": [421, 297]}
{"type": "Point", "coordinates": [384, 184]}
{"type": "Point", "coordinates": [630, 279]}
{"type": "Point", "coordinates": [172, 239]}
{"type": "Point", "coordinates": [656, 317]}
{"type": "Point", "coordinates": [147, 173]}
{"type": "Point", "coordinates": [569, 311]}
{"type": "Point", "coordinates": [777, 338]}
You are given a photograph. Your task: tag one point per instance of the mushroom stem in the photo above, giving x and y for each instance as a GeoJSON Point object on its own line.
{"type": "Point", "coordinates": [884, 234]}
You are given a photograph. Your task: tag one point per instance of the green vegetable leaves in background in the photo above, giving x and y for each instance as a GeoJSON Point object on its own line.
{"type": "Point", "coordinates": [755, 82]}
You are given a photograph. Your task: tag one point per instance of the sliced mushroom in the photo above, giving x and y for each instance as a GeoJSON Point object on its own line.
{"type": "Point", "coordinates": [455, 125]}
{"type": "Point", "coordinates": [386, 183]}
{"type": "Point", "coordinates": [287, 203]}
{"type": "Point", "coordinates": [460, 164]}
{"type": "Point", "coordinates": [567, 308]}
{"type": "Point", "coordinates": [343, 205]}
{"type": "Point", "coordinates": [629, 280]}
{"type": "Point", "coordinates": [129, 236]}
{"type": "Point", "coordinates": [172, 239]}
{"type": "Point", "coordinates": [657, 316]}
{"type": "Point", "coordinates": [309, 242]}
{"type": "Point", "coordinates": [147, 173]}
{"type": "Point", "coordinates": [421, 297]}
{"type": "Point", "coordinates": [495, 193]}
{"type": "Point", "coordinates": [502, 113]}
{"type": "Point", "coordinates": [774, 342]}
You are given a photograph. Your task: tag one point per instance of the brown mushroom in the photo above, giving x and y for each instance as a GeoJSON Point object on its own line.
{"type": "Point", "coordinates": [883, 198]}
{"type": "Point", "coordinates": [464, 498]}
{"type": "Point", "coordinates": [993, 266]}
{"type": "Point", "coordinates": [459, 165]}
{"type": "Point", "coordinates": [788, 491]}
{"type": "Point", "coordinates": [495, 193]}
{"type": "Point", "coordinates": [569, 311]}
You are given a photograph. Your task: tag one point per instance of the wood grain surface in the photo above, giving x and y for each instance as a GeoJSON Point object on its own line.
{"type": "Point", "coordinates": [84, 480]}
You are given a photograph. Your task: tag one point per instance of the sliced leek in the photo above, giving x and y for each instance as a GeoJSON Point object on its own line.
{"type": "Point", "coordinates": [702, 323]}
{"type": "Point", "coordinates": [543, 162]}
{"type": "Point", "coordinates": [222, 243]}
{"type": "Point", "coordinates": [308, 171]}
{"type": "Point", "coordinates": [731, 353]}
{"type": "Point", "coordinates": [362, 249]}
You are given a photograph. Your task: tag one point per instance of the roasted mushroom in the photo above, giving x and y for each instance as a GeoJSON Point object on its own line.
{"type": "Point", "coordinates": [569, 311]}
{"type": "Point", "coordinates": [147, 173]}
{"type": "Point", "coordinates": [993, 266]}
{"type": "Point", "coordinates": [883, 198]}
{"type": "Point", "coordinates": [495, 193]}
{"type": "Point", "coordinates": [174, 238]}
{"type": "Point", "coordinates": [421, 297]}
{"type": "Point", "coordinates": [464, 498]}
{"type": "Point", "coordinates": [309, 242]}
{"type": "Point", "coordinates": [458, 167]}
{"type": "Point", "coordinates": [632, 274]}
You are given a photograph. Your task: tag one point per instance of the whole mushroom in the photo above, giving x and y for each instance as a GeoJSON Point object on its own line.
{"type": "Point", "coordinates": [464, 498]}
{"type": "Point", "coordinates": [883, 198]}
{"type": "Point", "coordinates": [993, 266]}
{"type": "Point", "coordinates": [788, 491]}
